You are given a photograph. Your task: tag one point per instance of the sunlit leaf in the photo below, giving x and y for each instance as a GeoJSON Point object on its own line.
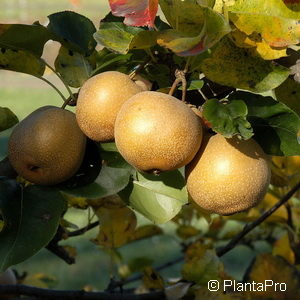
{"type": "Point", "coordinates": [262, 47]}
{"type": "Point", "coordinates": [136, 12]}
{"type": "Point", "coordinates": [158, 198]}
{"type": "Point", "coordinates": [73, 67]}
{"type": "Point", "coordinates": [116, 226]}
{"type": "Point", "coordinates": [21, 61]}
{"type": "Point", "coordinates": [240, 68]}
{"type": "Point", "coordinates": [7, 118]}
{"type": "Point", "coordinates": [120, 38]}
{"type": "Point", "coordinates": [196, 28]}
{"type": "Point", "coordinates": [275, 23]}
{"type": "Point", "coordinates": [31, 38]}
{"type": "Point", "coordinates": [228, 118]}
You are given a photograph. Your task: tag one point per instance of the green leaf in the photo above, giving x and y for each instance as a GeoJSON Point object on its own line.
{"type": "Point", "coordinates": [109, 182]}
{"type": "Point", "coordinates": [7, 118]}
{"type": "Point", "coordinates": [275, 125]}
{"type": "Point", "coordinates": [196, 27]}
{"type": "Point", "coordinates": [289, 94]}
{"type": "Point", "coordinates": [241, 68]}
{"type": "Point", "coordinates": [73, 31]}
{"type": "Point", "coordinates": [74, 68]}
{"type": "Point", "coordinates": [119, 38]}
{"type": "Point", "coordinates": [21, 61]}
{"type": "Point", "coordinates": [31, 38]}
{"type": "Point", "coordinates": [194, 85]}
{"type": "Point", "coordinates": [31, 218]}
{"type": "Point", "coordinates": [228, 119]}
{"type": "Point", "coordinates": [158, 198]}
{"type": "Point", "coordinates": [137, 264]}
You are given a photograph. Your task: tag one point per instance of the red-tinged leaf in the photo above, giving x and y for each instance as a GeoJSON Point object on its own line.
{"type": "Point", "coordinates": [185, 42]}
{"type": "Point", "coordinates": [136, 12]}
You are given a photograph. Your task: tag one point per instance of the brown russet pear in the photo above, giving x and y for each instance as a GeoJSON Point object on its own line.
{"type": "Point", "coordinates": [99, 102]}
{"type": "Point", "coordinates": [156, 132]}
{"type": "Point", "coordinates": [228, 175]}
{"type": "Point", "coordinates": [47, 147]}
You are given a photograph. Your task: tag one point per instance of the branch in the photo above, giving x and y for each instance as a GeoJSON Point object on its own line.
{"type": "Point", "coordinates": [41, 293]}
{"type": "Point", "coordinates": [251, 226]}
{"type": "Point", "coordinates": [83, 230]}
{"type": "Point", "coordinates": [121, 283]}
{"type": "Point", "coordinates": [58, 250]}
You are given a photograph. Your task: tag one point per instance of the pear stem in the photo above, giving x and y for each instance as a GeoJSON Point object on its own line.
{"type": "Point", "coordinates": [53, 86]}
{"type": "Point", "coordinates": [62, 80]}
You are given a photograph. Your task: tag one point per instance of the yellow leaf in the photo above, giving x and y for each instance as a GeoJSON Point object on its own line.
{"type": "Point", "coordinates": [187, 231]}
{"type": "Point", "coordinates": [77, 202]}
{"type": "Point", "coordinates": [288, 164]}
{"type": "Point", "coordinates": [277, 25]}
{"type": "Point", "coordinates": [276, 270]}
{"type": "Point", "coordinates": [40, 280]}
{"type": "Point", "coordinates": [254, 41]}
{"type": "Point", "coordinates": [116, 226]}
{"type": "Point", "coordinates": [145, 232]}
{"type": "Point", "coordinates": [152, 280]}
{"type": "Point", "coordinates": [282, 248]}
{"type": "Point", "coordinates": [280, 215]}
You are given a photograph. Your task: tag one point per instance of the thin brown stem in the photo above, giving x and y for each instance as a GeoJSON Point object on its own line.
{"type": "Point", "coordinates": [41, 293]}
{"type": "Point", "coordinates": [59, 76]}
{"type": "Point", "coordinates": [54, 87]}
{"type": "Point", "coordinates": [174, 86]}
{"type": "Point", "coordinates": [258, 221]}
{"type": "Point", "coordinates": [139, 68]}
{"type": "Point", "coordinates": [83, 230]}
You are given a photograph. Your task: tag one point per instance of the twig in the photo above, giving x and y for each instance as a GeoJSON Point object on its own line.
{"type": "Point", "coordinates": [139, 68]}
{"type": "Point", "coordinates": [61, 253]}
{"type": "Point", "coordinates": [53, 86]}
{"type": "Point", "coordinates": [59, 76]}
{"type": "Point", "coordinates": [83, 230]}
{"type": "Point", "coordinates": [41, 293]}
{"type": "Point", "coordinates": [180, 78]}
{"type": "Point", "coordinates": [121, 283]}
{"type": "Point", "coordinates": [251, 226]}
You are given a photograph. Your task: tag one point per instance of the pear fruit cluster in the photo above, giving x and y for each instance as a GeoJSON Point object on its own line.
{"type": "Point", "coordinates": [153, 131]}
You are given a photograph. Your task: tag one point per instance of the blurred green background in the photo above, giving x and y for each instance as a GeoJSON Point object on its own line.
{"type": "Point", "coordinates": [23, 94]}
